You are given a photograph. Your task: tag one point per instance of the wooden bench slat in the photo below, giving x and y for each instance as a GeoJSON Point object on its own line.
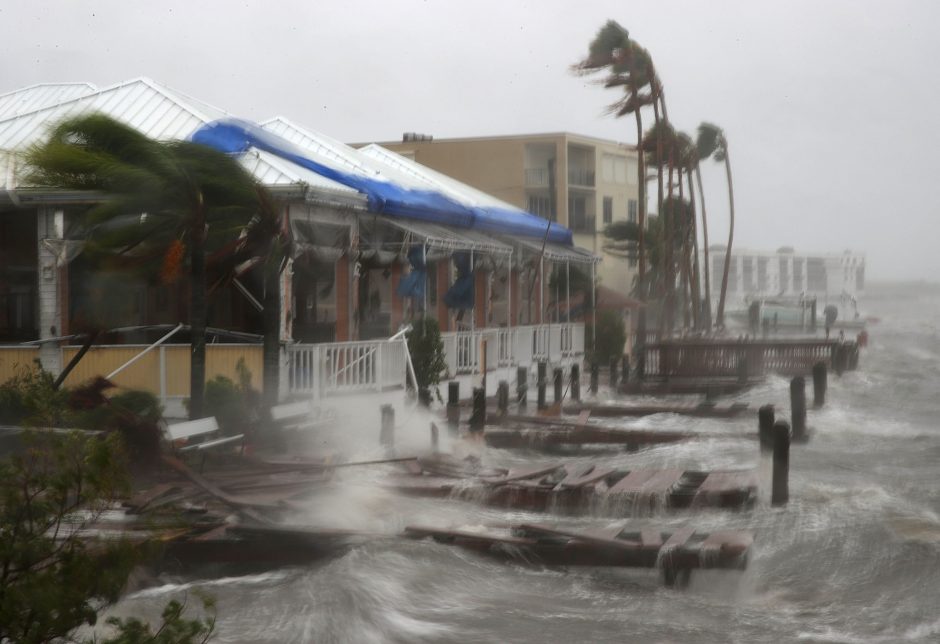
{"type": "Point", "coordinates": [213, 443]}
{"type": "Point", "coordinates": [190, 428]}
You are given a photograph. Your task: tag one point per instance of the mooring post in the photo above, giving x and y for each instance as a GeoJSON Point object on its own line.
{"type": "Point", "coordinates": [453, 406]}
{"type": "Point", "coordinates": [522, 386]}
{"type": "Point", "coordinates": [502, 397]}
{"type": "Point", "coordinates": [559, 381]}
{"type": "Point", "coordinates": [798, 408]}
{"type": "Point", "coordinates": [478, 416]}
{"type": "Point", "coordinates": [852, 359]}
{"type": "Point", "coordinates": [641, 364]}
{"type": "Point", "coordinates": [434, 438]}
{"type": "Point", "coordinates": [742, 368]}
{"type": "Point", "coordinates": [575, 376]}
{"type": "Point", "coordinates": [595, 377]}
{"type": "Point", "coordinates": [820, 377]}
{"type": "Point", "coordinates": [625, 370]}
{"type": "Point", "coordinates": [387, 431]}
{"type": "Point", "coordinates": [614, 368]}
{"type": "Point", "coordinates": [838, 358]}
{"type": "Point", "coordinates": [780, 486]}
{"type": "Point", "coordinates": [765, 428]}
{"type": "Point", "coordinates": [542, 368]}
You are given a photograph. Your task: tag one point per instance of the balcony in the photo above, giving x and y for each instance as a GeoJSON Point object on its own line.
{"type": "Point", "coordinates": [536, 177]}
{"type": "Point", "coordinates": [581, 177]}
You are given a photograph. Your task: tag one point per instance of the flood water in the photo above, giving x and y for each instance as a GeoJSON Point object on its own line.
{"type": "Point", "coordinates": [854, 556]}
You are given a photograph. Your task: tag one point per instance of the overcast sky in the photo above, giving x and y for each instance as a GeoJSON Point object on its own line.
{"type": "Point", "coordinates": [830, 108]}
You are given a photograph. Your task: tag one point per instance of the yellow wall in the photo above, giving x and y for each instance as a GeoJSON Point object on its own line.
{"type": "Point", "coordinates": [14, 358]}
{"type": "Point", "coordinates": [145, 372]}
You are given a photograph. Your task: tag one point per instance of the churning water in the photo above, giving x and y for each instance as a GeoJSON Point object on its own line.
{"type": "Point", "coordinates": [854, 557]}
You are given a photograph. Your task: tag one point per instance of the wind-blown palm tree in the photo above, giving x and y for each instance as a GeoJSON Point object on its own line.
{"type": "Point", "coordinates": [628, 66]}
{"type": "Point", "coordinates": [164, 202]}
{"type": "Point", "coordinates": [712, 143]}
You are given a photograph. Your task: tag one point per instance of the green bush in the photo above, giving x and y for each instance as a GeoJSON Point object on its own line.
{"type": "Point", "coordinates": [29, 398]}
{"type": "Point", "coordinates": [427, 356]}
{"type": "Point", "coordinates": [611, 338]}
{"type": "Point", "coordinates": [235, 405]}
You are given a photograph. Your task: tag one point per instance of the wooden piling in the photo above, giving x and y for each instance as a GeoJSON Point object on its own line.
{"type": "Point", "coordinates": [839, 359]}
{"type": "Point", "coordinates": [541, 384]}
{"type": "Point", "coordinates": [595, 377]}
{"type": "Point", "coordinates": [387, 431]}
{"type": "Point", "coordinates": [780, 487]}
{"type": "Point", "coordinates": [435, 442]}
{"type": "Point", "coordinates": [502, 397]}
{"type": "Point", "coordinates": [625, 369]}
{"type": "Point", "coordinates": [559, 383]}
{"type": "Point", "coordinates": [453, 405]}
{"type": "Point", "coordinates": [522, 386]}
{"type": "Point", "coordinates": [613, 373]}
{"type": "Point", "coordinates": [575, 376]}
{"type": "Point", "coordinates": [820, 377]}
{"type": "Point", "coordinates": [765, 428]}
{"type": "Point", "coordinates": [798, 408]}
{"type": "Point", "coordinates": [478, 416]}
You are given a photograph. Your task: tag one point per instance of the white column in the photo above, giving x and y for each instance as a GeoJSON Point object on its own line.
{"type": "Point", "coordinates": [50, 224]}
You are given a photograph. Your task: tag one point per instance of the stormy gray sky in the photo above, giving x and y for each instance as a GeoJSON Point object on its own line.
{"type": "Point", "coordinates": [830, 108]}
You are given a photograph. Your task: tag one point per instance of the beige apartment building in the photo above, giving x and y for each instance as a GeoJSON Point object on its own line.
{"type": "Point", "coordinates": [581, 182]}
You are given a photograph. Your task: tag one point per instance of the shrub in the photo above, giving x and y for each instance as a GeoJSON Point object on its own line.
{"type": "Point", "coordinates": [611, 338]}
{"type": "Point", "coordinates": [427, 357]}
{"type": "Point", "coordinates": [235, 406]}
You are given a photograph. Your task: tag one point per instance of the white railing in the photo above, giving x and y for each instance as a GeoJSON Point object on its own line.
{"type": "Point", "coordinates": [346, 367]}
{"type": "Point", "coordinates": [518, 346]}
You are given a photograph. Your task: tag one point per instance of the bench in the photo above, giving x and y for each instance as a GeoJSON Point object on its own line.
{"type": "Point", "coordinates": [299, 416]}
{"type": "Point", "coordinates": [204, 428]}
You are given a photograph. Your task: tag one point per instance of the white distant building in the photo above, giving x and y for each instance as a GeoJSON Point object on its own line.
{"type": "Point", "coordinates": [834, 278]}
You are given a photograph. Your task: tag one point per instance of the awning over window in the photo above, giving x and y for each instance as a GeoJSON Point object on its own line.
{"type": "Point", "coordinates": [557, 252]}
{"type": "Point", "coordinates": [447, 239]}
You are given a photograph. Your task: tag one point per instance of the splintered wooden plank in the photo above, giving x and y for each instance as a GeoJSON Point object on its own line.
{"type": "Point", "coordinates": [601, 537]}
{"type": "Point", "coordinates": [719, 483]}
{"type": "Point", "coordinates": [524, 473]}
{"type": "Point", "coordinates": [145, 498]}
{"type": "Point", "coordinates": [651, 538]}
{"type": "Point", "coordinates": [733, 543]}
{"type": "Point", "coordinates": [590, 477]}
{"type": "Point", "coordinates": [447, 534]}
{"type": "Point", "coordinates": [647, 481]}
{"type": "Point", "coordinates": [583, 418]}
{"type": "Point", "coordinates": [678, 538]}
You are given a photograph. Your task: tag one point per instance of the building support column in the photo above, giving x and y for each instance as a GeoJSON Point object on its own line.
{"type": "Point", "coordinates": [50, 225]}
{"type": "Point", "coordinates": [443, 284]}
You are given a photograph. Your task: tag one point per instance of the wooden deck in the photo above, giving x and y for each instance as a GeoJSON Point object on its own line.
{"type": "Point", "coordinates": [588, 489]}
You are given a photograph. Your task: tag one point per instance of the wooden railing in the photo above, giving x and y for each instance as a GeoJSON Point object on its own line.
{"type": "Point", "coordinates": [345, 367]}
{"type": "Point", "coordinates": [517, 346]}
{"type": "Point", "coordinates": [748, 358]}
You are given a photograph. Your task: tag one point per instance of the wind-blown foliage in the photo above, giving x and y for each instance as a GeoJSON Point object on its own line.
{"type": "Point", "coordinates": [711, 143]}
{"type": "Point", "coordinates": [162, 201]}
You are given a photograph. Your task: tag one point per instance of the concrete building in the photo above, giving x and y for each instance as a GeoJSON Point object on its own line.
{"type": "Point", "coordinates": [583, 183]}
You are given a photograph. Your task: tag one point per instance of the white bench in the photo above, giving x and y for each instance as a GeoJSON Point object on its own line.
{"type": "Point", "coordinates": [207, 428]}
{"type": "Point", "coordinates": [299, 415]}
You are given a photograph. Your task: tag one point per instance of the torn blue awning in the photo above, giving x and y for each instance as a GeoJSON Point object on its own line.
{"type": "Point", "coordinates": [235, 136]}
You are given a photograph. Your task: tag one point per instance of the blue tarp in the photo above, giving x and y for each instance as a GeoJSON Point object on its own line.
{"type": "Point", "coordinates": [460, 295]}
{"type": "Point", "coordinates": [412, 284]}
{"type": "Point", "coordinates": [235, 136]}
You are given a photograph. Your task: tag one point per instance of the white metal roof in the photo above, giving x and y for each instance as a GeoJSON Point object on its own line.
{"type": "Point", "coordinates": [155, 111]}
{"type": "Point", "coordinates": [449, 239]}
{"type": "Point", "coordinates": [42, 95]}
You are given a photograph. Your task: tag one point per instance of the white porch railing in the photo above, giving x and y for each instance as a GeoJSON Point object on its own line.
{"type": "Point", "coordinates": [345, 367]}
{"type": "Point", "coordinates": [518, 346]}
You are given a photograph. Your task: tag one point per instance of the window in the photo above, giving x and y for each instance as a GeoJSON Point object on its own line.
{"type": "Point", "coordinates": [579, 220]}
{"type": "Point", "coordinates": [541, 205]}
{"type": "Point", "coordinates": [614, 169]}
{"type": "Point", "coordinates": [632, 170]}
{"type": "Point", "coordinates": [632, 210]}
{"type": "Point", "coordinates": [608, 209]}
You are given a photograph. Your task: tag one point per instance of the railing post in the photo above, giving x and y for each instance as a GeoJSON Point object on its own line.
{"type": "Point", "coordinates": [541, 384]}
{"type": "Point", "coordinates": [453, 405]}
{"type": "Point", "coordinates": [780, 487]}
{"type": "Point", "coordinates": [559, 383]}
{"type": "Point", "coordinates": [575, 375]}
{"type": "Point", "coordinates": [798, 408]}
{"type": "Point", "coordinates": [819, 384]}
{"type": "Point", "coordinates": [522, 386]}
{"type": "Point", "coordinates": [502, 397]}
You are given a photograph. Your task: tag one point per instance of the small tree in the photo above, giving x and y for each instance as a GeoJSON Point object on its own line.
{"type": "Point", "coordinates": [611, 337]}
{"type": "Point", "coordinates": [427, 357]}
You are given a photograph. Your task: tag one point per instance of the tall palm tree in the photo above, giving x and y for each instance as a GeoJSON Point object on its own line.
{"type": "Point", "coordinates": [165, 202]}
{"type": "Point", "coordinates": [689, 161]}
{"type": "Point", "coordinates": [712, 143]}
{"type": "Point", "coordinates": [627, 65]}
